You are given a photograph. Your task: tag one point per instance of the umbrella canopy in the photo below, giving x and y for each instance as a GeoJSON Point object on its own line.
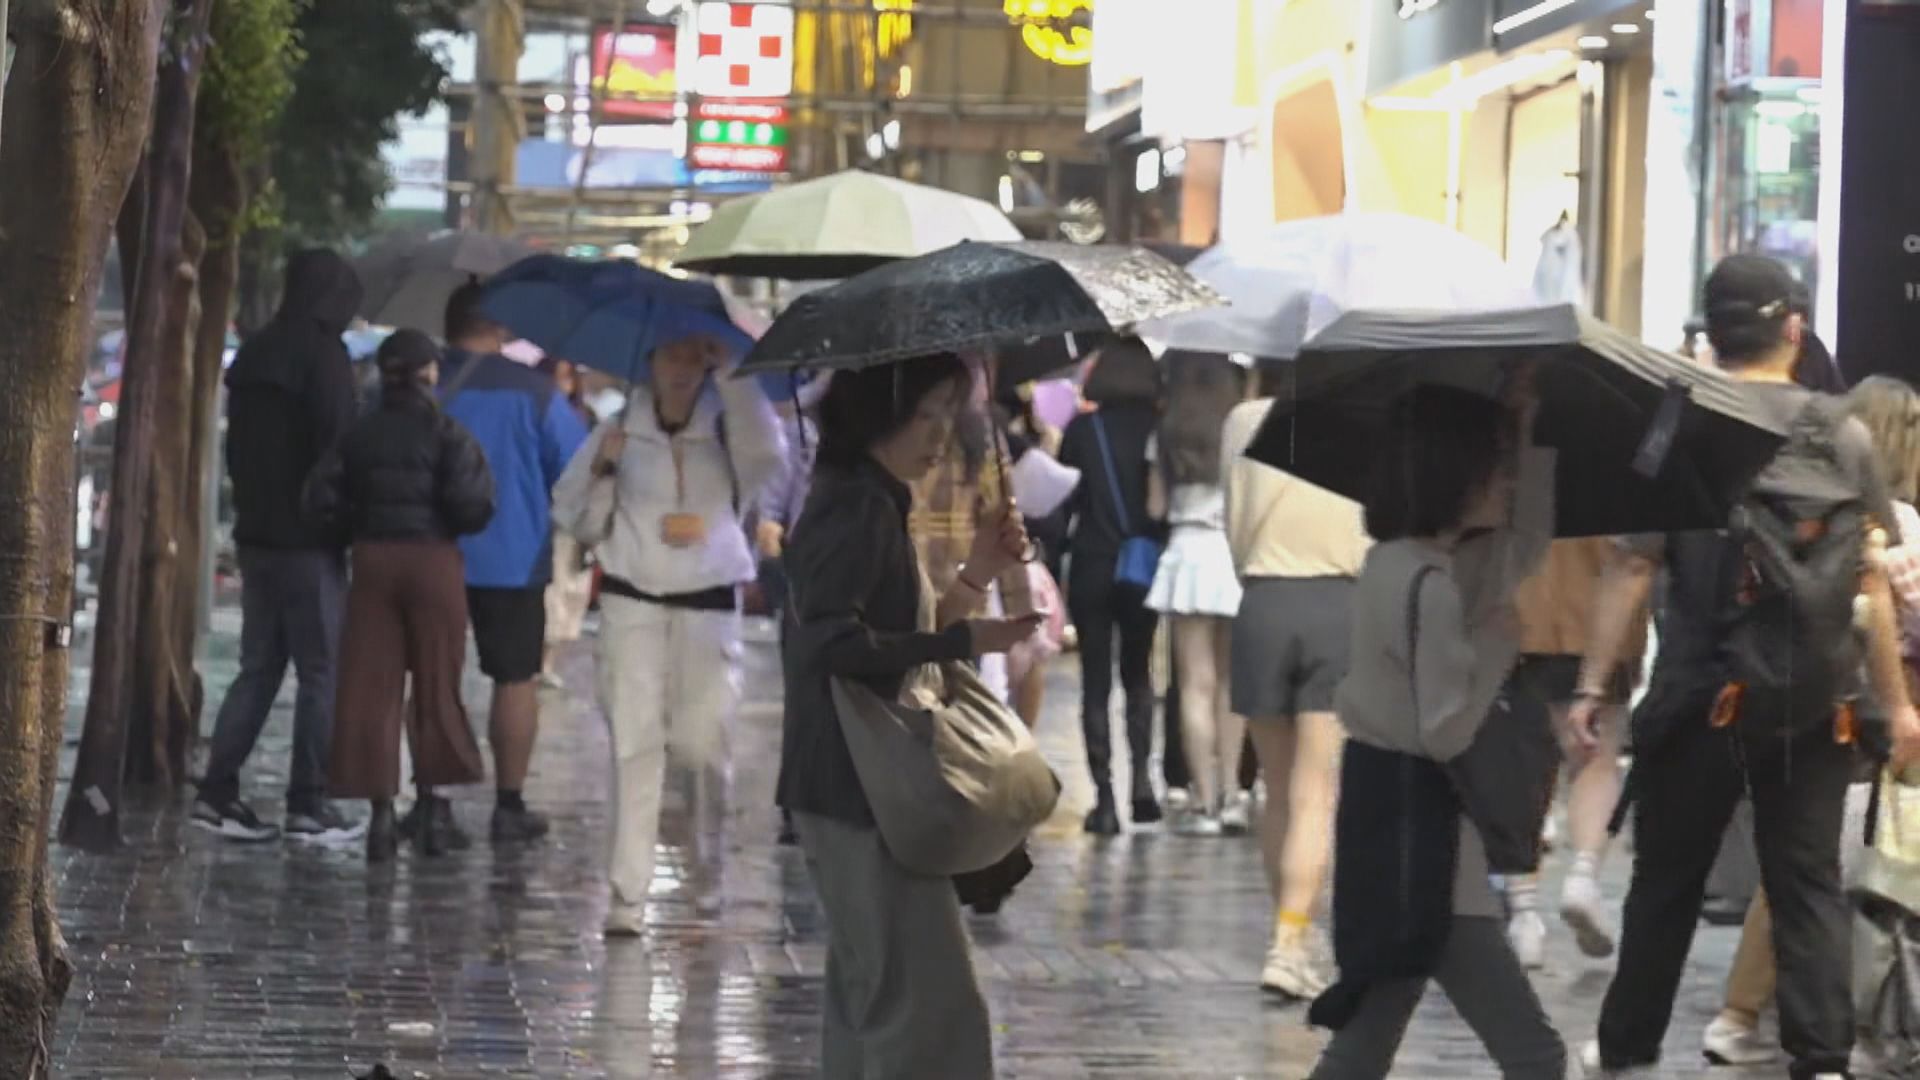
{"type": "Point", "coordinates": [975, 296]}
{"type": "Point", "coordinates": [1040, 358]}
{"type": "Point", "coordinates": [609, 316]}
{"type": "Point", "coordinates": [1606, 400]}
{"type": "Point", "coordinates": [1295, 279]}
{"type": "Point", "coordinates": [838, 226]}
{"type": "Point", "coordinates": [407, 282]}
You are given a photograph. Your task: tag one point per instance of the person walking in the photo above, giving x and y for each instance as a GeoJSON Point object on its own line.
{"type": "Point", "coordinates": [1109, 447]}
{"type": "Point", "coordinates": [1297, 549]}
{"type": "Point", "coordinates": [1196, 589]}
{"type": "Point", "coordinates": [901, 996]}
{"type": "Point", "coordinates": [529, 433]}
{"type": "Point", "coordinates": [290, 396]}
{"type": "Point", "coordinates": [1555, 609]}
{"type": "Point", "coordinates": [403, 485]}
{"type": "Point", "coordinates": [660, 494]}
{"type": "Point", "coordinates": [1462, 511]}
{"type": "Point", "coordinates": [1890, 410]}
{"type": "Point", "coordinates": [1703, 736]}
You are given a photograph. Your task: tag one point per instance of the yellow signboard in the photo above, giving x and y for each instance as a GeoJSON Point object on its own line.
{"type": "Point", "coordinates": [1057, 31]}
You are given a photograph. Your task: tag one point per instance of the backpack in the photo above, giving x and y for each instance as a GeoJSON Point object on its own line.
{"type": "Point", "coordinates": [1797, 540]}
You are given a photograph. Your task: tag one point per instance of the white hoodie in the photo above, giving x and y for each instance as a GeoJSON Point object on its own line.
{"type": "Point", "coordinates": [620, 516]}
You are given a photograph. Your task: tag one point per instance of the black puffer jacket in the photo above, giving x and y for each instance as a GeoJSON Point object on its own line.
{"type": "Point", "coordinates": [406, 471]}
{"type": "Point", "coordinates": [290, 398]}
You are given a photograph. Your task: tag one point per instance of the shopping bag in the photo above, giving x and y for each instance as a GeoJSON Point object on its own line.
{"type": "Point", "coordinates": [955, 780]}
{"type": "Point", "coordinates": [1885, 889]}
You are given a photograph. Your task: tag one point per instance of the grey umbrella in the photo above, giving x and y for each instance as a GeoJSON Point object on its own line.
{"type": "Point", "coordinates": [408, 281]}
{"type": "Point", "coordinates": [1649, 442]}
{"type": "Point", "coordinates": [975, 296]}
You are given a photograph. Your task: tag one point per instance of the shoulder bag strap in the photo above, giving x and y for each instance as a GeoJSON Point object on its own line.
{"type": "Point", "coordinates": [453, 386]}
{"type": "Point", "coordinates": [1113, 475]}
{"type": "Point", "coordinates": [1413, 639]}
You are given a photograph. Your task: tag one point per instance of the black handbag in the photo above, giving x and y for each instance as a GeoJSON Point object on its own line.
{"type": "Point", "coordinates": [1505, 778]}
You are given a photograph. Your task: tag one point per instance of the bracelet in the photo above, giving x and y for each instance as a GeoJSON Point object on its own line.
{"type": "Point", "coordinates": [1587, 693]}
{"type": "Point", "coordinates": [961, 577]}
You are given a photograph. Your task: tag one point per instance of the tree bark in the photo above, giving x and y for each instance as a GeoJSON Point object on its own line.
{"type": "Point", "coordinates": [75, 120]}
{"type": "Point", "coordinates": [161, 712]}
{"type": "Point", "coordinates": [92, 816]}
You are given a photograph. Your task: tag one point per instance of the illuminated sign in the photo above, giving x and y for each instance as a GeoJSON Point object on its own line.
{"type": "Point", "coordinates": [743, 50]}
{"type": "Point", "coordinates": [739, 136]}
{"type": "Point", "coordinates": [1057, 31]}
{"type": "Point", "coordinates": [637, 64]}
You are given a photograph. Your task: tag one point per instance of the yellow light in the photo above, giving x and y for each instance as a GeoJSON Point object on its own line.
{"type": "Point", "coordinates": [1049, 30]}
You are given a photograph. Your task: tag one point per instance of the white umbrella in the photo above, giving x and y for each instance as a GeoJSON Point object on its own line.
{"type": "Point", "coordinates": [1292, 281]}
{"type": "Point", "coordinates": [837, 226]}
{"type": "Point", "coordinates": [408, 281]}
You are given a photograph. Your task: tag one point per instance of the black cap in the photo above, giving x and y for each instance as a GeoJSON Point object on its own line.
{"type": "Point", "coordinates": [1747, 300]}
{"type": "Point", "coordinates": [405, 354]}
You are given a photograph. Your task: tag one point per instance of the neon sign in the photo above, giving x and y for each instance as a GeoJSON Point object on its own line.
{"type": "Point", "coordinates": [1057, 31]}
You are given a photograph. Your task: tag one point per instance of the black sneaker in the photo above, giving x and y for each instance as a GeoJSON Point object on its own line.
{"type": "Point", "coordinates": [517, 826]}
{"type": "Point", "coordinates": [320, 823]}
{"type": "Point", "coordinates": [234, 820]}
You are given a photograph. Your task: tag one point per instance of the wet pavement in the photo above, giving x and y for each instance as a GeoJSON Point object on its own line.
{"type": "Point", "coordinates": [1134, 958]}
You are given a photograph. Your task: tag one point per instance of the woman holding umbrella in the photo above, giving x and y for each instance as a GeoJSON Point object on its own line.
{"type": "Point", "coordinates": [901, 996]}
{"type": "Point", "coordinates": [659, 492]}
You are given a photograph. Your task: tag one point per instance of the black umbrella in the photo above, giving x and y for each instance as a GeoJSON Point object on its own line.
{"type": "Point", "coordinates": [1648, 442]}
{"type": "Point", "coordinates": [974, 296]}
{"type": "Point", "coordinates": [1043, 358]}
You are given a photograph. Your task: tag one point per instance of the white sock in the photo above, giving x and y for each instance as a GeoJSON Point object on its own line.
{"type": "Point", "coordinates": [1523, 894]}
{"type": "Point", "coordinates": [1585, 865]}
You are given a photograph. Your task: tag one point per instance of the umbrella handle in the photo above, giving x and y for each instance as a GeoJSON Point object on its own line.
{"type": "Point", "coordinates": [1031, 552]}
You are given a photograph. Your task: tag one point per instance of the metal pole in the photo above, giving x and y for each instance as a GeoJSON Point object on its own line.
{"type": "Point", "coordinates": [597, 105]}
{"type": "Point", "coordinates": [497, 116]}
{"type": "Point", "coordinates": [6, 56]}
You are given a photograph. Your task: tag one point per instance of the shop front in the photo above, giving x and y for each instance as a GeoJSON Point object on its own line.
{"type": "Point", "coordinates": [1523, 124]}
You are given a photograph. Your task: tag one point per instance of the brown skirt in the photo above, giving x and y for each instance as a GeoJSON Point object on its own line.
{"type": "Point", "coordinates": [406, 615]}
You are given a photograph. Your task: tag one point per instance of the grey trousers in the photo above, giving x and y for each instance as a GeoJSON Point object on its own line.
{"type": "Point", "coordinates": [1490, 991]}
{"type": "Point", "coordinates": [291, 607]}
{"type": "Point", "coordinates": [901, 999]}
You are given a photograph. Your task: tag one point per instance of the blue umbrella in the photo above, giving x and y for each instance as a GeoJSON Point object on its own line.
{"type": "Point", "coordinates": [609, 316]}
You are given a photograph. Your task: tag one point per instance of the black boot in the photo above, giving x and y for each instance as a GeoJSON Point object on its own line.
{"type": "Point", "coordinates": [383, 837]}
{"type": "Point", "coordinates": [1146, 807]}
{"type": "Point", "coordinates": [1104, 818]}
{"type": "Point", "coordinates": [434, 831]}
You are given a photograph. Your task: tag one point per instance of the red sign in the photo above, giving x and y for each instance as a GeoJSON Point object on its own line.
{"type": "Point", "coordinates": [757, 159]}
{"type": "Point", "coordinates": [753, 112]}
{"type": "Point", "coordinates": [638, 76]}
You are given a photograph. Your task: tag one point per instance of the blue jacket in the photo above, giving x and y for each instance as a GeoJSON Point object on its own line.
{"type": "Point", "coordinates": [529, 434]}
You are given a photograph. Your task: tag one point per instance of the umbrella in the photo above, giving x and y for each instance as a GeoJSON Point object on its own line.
{"type": "Point", "coordinates": [975, 296]}
{"type": "Point", "coordinates": [407, 282]}
{"type": "Point", "coordinates": [838, 226]}
{"type": "Point", "coordinates": [1607, 402]}
{"type": "Point", "coordinates": [609, 315]}
{"type": "Point", "coordinates": [1294, 279]}
{"type": "Point", "coordinates": [1041, 358]}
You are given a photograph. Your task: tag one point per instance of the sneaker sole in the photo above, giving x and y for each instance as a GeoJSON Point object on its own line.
{"type": "Point", "coordinates": [1722, 1061]}
{"type": "Point", "coordinates": [1282, 993]}
{"type": "Point", "coordinates": [1589, 936]}
{"type": "Point", "coordinates": [228, 830]}
{"type": "Point", "coordinates": [329, 837]}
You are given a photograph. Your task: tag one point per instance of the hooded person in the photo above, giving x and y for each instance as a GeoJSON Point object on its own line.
{"type": "Point", "coordinates": [290, 397]}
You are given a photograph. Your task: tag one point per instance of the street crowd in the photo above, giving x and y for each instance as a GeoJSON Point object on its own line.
{"type": "Point", "coordinates": [1335, 662]}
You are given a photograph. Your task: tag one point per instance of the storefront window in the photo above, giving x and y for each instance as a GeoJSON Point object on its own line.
{"type": "Point", "coordinates": [1772, 184]}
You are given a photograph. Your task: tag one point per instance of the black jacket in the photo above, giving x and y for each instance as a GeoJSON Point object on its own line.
{"type": "Point", "coordinates": [406, 471]}
{"type": "Point", "coordinates": [1097, 531]}
{"type": "Point", "coordinates": [854, 613]}
{"type": "Point", "coordinates": [290, 396]}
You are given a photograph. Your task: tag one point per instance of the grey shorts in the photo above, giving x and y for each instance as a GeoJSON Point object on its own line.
{"type": "Point", "coordinates": [1290, 645]}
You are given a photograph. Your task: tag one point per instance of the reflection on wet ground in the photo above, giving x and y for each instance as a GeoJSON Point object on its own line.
{"type": "Point", "coordinates": [1131, 959]}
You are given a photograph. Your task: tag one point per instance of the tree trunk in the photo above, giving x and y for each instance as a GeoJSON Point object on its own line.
{"type": "Point", "coordinates": [92, 816]}
{"type": "Point", "coordinates": [218, 197]}
{"type": "Point", "coordinates": [160, 717]}
{"type": "Point", "coordinates": [75, 120]}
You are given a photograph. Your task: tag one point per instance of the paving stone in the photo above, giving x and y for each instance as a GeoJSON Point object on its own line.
{"type": "Point", "coordinates": [1134, 958]}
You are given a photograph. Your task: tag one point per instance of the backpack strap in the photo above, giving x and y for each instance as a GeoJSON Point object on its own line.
{"type": "Point", "coordinates": [1413, 639]}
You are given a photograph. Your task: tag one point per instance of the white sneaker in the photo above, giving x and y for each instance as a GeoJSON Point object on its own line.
{"type": "Point", "coordinates": [1729, 1042]}
{"type": "Point", "coordinates": [1179, 801]}
{"type": "Point", "coordinates": [1590, 1068]}
{"type": "Point", "coordinates": [1527, 933]}
{"type": "Point", "coordinates": [1236, 817]}
{"type": "Point", "coordinates": [625, 920]}
{"type": "Point", "coordinates": [1197, 823]}
{"type": "Point", "coordinates": [1584, 910]}
{"type": "Point", "coordinates": [1291, 973]}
